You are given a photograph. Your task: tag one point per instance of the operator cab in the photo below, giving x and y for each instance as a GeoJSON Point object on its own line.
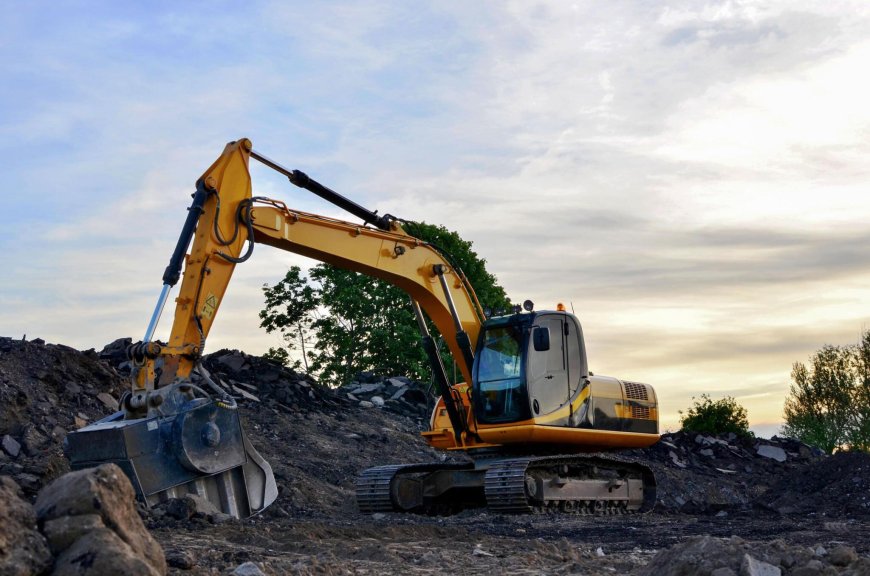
{"type": "Point", "coordinates": [528, 366]}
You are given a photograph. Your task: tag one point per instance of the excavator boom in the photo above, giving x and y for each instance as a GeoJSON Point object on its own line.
{"type": "Point", "coordinates": [178, 432]}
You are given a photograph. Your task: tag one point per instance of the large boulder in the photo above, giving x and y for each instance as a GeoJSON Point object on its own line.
{"type": "Point", "coordinates": [23, 550]}
{"type": "Point", "coordinates": [91, 522]}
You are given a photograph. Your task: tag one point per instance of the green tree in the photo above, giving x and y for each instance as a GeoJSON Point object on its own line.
{"type": "Point", "coordinates": [291, 307]}
{"type": "Point", "coordinates": [716, 417]}
{"type": "Point", "coordinates": [828, 405]}
{"type": "Point", "coordinates": [363, 323]}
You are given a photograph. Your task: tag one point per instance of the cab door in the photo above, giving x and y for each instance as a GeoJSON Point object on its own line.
{"type": "Point", "coordinates": [548, 369]}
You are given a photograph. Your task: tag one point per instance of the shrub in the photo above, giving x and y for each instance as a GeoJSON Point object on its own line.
{"type": "Point", "coordinates": [716, 417]}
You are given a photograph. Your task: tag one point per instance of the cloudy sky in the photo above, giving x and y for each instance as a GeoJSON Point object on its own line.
{"type": "Point", "coordinates": [690, 176]}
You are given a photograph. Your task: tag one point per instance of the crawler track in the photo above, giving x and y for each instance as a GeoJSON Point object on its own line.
{"type": "Point", "coordinates": [578, 484]}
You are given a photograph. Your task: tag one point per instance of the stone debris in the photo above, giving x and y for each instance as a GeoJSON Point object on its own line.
{"type": "Point", "coordinates": [253, 379]}
{"type": "Point", "coordinates": [735, 556]}
{"type": "Point", "coordinates": [773, 452]}
{"type": "Point", "coordinates": [47, 390]}
{"type": "Point", "coordinates": [108, 401]}
{"type": "Point", "coordinates": [702, 473]}
{"type": "Point", "coordinates": [396, 394]}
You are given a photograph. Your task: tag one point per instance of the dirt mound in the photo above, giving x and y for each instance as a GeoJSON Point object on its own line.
{"type": "Point", "coordinates": [699, 473]}
{"type": "Point", "coordinates": [46, 391]}
{"type": "Point", "coordinates": [838, 486]}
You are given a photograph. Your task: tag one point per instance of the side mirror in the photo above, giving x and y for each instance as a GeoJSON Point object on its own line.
{"type": "Point", "coordinates": [541, 338]}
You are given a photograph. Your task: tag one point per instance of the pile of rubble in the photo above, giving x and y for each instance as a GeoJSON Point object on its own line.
{"type": "Point", "coordinates": [699, 473]}
{"type": "Point", "coordinates": [397, 394]}
{"type": "Point", "coordinates": [254, 379]}
{"type": "Point", "coordinates": [47, 390]}
{"type": "Point", "coordinates": [838, 486]}
{"type": "Point", "coordinates": [251, 378]}
{"type": "Point", "coordinates": [733, 556]}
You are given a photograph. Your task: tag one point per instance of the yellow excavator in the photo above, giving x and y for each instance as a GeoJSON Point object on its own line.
{"type": "Point", "coordinates": [539, 426]}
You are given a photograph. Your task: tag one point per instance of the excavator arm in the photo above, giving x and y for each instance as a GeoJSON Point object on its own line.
{"type": "Point", "coordinates": [198, 443]}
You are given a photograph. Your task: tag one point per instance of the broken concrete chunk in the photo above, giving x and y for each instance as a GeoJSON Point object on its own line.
{"type": "Point", "coordinates": [368, 388]}
{"type": "Point", "coordinates": [676, 459]}
{"type": "Point", "coordinates": [377, 401]}
{"type": "Point", "coordinates": [233, 362]}
{"type": "Point", "coordinates": [366, 404]}
{"type": "Point", "coordinates": [108, 401]}
{"type": "Point", "coordinates": [773, 452]}
{"type": "Point", "coordinates": [11, 446]}
{"type": "Point", "coordinates": [245, 394]}
{"type": "Point", "coordinates": [399, 381]}
{"type": "Point", "coordinates": [752, 567]}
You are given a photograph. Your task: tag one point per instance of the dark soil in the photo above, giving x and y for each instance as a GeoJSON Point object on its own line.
{"type": "Point", "coordinates": [317, 441]}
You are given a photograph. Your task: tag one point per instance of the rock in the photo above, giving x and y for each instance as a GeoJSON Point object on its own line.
{"type": "Point", "coordinates": [116, 351]}
{"type": "Point", "coordinates": [181, 559]}
{"type": "Point", "coordinates": [233, 361]}
{"type": "Point", "coordinates": [23, 550]}
{"type": "Point", "coordinates": [773, 452]}
{"type": "Point", "coordinates": [104, 491]}
{"type": "Point", "coordinates": [64, 531]}
{"type": "Point", "coordinates": [399, 393]}
{"type": "Point", "coordinates": [352, 397]}
{"type": "Point", "coordinates": [723, 572]}
{"type": "Point", "coordinates": [33, 441]}
{"type": "Point", "coordinates": [377, 401]}
{"type": "Point", "coordinates": [706, 452]}
{"type": "Point", "coordinates": [178, 508]}
{"type": "Point", "coordinates": [102, 551]}
{"type": "Point", "coordinates": [28, 482]}
{"type": "Point", "coordinates": [201, 505]}
{"type": "Point", "coordinates": [248, 569]}
{"type": "Point", "coordinates": [843, 556]}
{"type": "Point", "coordinates": [811, 568]}
{"type": "Point", "coordinates": [80, 422]}
{"type": "Point", "coordinates": [399, 381]}
{"type": "Point", "coordinates": [676, 460]}
{"type": "Point", "coordinates": [108, 401]}
{"type": "Point", "coordinates": [753, 567]}
{"type": "Point", "coordinates": [368, 388]}
{"type": "Point", "coordinates": [366, 404]}
{"type": "Point", "coordinates": [11, 446]}
{"type": "Point", "coordinates": [245, 394]}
